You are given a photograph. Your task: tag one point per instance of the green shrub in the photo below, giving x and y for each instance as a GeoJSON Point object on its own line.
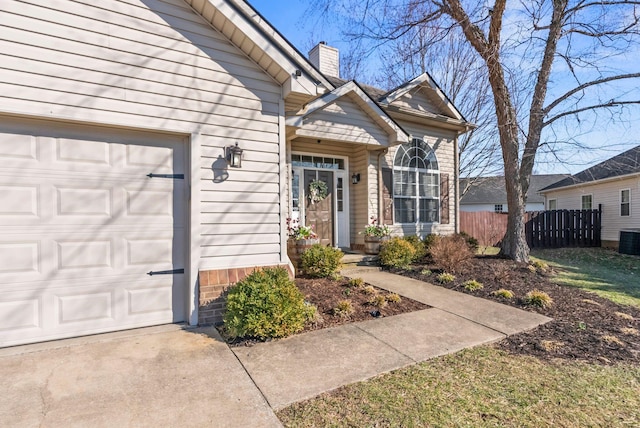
{"type": "Point", "coordinates": [505, 294]}
{"type": "Point", "coordinates": [321, 262]}
{"type": "Point", "coordinates": [266, 304]}
{"type": "Point", "coordinates": [538, 298]}
{"type": "Point", "coordinates": [445, 278]}
{"type": "Point", "coordinates": [451, 253]}
{"type": "Point", "coordinates": [471, 241]}
{"type": "Point", "coordinates": [473, 285]}
{"type": "Point", "coordinates": [344, 309]}
{"type": "Point", "coordinates": [425, 271]}
{"type": "Point", "coordinates": [429, 240]}
{"type": "Point", "coordinates": [393, 298]}
{"type": "Point", "coordinates": [356, 282]}
{"type": "Point", "coordinates": [540, 265]}
{"type": "Point", "coordinates": [418, 245]}
{"type": "Point", "coordinates": [396, 252]}
{"type": "Point", "coordinates": [378, 300]}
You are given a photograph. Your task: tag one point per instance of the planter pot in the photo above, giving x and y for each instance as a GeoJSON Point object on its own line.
{"type": "Point", "coordinates": [372, 244]}
{"type": "Point", "coordinates": [303, 245]}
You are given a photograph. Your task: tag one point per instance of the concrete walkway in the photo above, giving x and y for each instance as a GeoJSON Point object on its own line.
{"type": "Point", "coordinates": [303, 366]}
{"type": "Point", "coordinates": [168, 376]}
{"type": "Point", "coordinates": [154, 377]}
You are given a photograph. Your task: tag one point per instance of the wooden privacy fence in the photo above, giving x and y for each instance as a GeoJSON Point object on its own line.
{"type": "Point", "coordinates": [486, 226]}
{"type": "Point", "coordinates": [564, 228]}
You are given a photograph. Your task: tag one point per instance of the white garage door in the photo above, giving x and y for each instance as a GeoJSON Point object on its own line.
{"type": "Point", "coordinates": [82, 225]}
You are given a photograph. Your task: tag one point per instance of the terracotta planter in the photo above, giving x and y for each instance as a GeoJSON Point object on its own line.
{"type": "Point", "coordinates": [372, 244]}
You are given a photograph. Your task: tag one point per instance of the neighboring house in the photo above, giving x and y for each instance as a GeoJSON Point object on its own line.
{"type": "Point", "coordinates": [613, 184]}
{"type": "Point", "coordinates": [118, 123]}
{"type": "Point", "coordinates": [489, 193]}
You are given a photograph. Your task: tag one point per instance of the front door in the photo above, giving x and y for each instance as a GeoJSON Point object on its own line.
{"type": "Point", "coordinates": [319, 213]}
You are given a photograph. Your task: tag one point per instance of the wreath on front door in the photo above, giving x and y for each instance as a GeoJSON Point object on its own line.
{"type": "Point", "coordinates": [318, 190]}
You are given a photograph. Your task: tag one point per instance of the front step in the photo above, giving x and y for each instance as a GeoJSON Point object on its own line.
{"type": "Point", "coordinates": [358, 259]}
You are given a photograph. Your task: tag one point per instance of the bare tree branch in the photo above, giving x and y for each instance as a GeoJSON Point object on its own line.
{"type": "Point", "coordinates": [609, 104]}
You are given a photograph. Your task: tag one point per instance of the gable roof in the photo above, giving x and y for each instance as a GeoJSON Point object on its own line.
{"type": "Point", "coordinates": [623, 164]}
{"type": "Point", "coordinates": [385, 99]}
{"type": "Point", "coordinates": [397, 134]}
{"type": "Point", "coordinates": [425, 81]}
{"type": "Point", "coordinates": [259, 40]}
{"type": "Point", "coordinates": [491, 190]}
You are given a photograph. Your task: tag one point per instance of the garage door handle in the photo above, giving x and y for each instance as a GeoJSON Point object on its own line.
{"type": "Point", "coordinates": [165, 272]}
{"type": "Point", "coordinates": [174, 176]}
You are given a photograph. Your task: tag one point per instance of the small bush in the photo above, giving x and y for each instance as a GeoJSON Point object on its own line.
{"type": "Point", "coordinates": [313, 315]}
{"type": "Point", "coordinates": [378, 300]}
{"type": "Point", "coordinates": [425, 272]}
{"type": "Point", "coordinates": [344, 309]}
{"type": "Point", "coordinates": [471, 241]}
{"type": "Point", "coordinates": [418, 245]}
{"type": "Point", "coordinates": [451, 253]}
{"type": "Point", "coordinates": [321, 262]}
{"type": "Point", "coordinates": [396, 252]}
{"type": "Point", "coordinates": [541, 266]}
{"type": "Point", "coordinates": [445, 278]}
{"type": "Point", "coordinates": [356, 282]}
{"type": "Point", "coordinates": [473, 285]}
{"type": "Point", "coordinates": [393, 298]}
{"type": "Point", "coordinates": [505, 294]}
{"type": "Point", "coordinates": [266, 304]}
{"type": "Point", "coordinates": [538, 298]}
{"type": "Point", "coordinates": [369, 290]}
{"type": "Point", "coordinates": [429, 240]}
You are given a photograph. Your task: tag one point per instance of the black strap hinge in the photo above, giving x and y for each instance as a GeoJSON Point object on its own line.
{"type": "Point", "coordinates": [174, 176]}
{"type": "Point", "coordinates": [165, 272]}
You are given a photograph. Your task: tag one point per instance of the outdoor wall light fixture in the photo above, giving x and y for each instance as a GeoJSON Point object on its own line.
{"type": "Point", "coordinates": [234, 156]}
{"type": "Point", "coordinates": [355, 178]}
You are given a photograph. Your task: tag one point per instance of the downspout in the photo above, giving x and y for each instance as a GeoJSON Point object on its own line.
{"type": "Point", "coordinates": [380, 184]}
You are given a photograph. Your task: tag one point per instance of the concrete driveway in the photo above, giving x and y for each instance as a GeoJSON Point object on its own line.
{"type": "Point", "coordinates": [161, 376]}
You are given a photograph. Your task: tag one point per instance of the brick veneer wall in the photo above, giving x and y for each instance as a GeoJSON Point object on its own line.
{"type": "Point", "coordinates": [213, 286]}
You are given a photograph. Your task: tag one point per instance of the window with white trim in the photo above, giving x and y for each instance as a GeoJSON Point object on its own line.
{"type": "Point", "coordinates": [587, 202]}
{"type": "Point", "coordinates": [625, 202]}
{"type": "Point", "coordinates": [553, 204]}
{"type": "Point", "coordinates": [416, 184]}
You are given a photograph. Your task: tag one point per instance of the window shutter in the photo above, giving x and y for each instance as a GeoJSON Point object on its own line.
{"type": "Point", "coordinates": [444, 198]}
{"type": "Point", "coordinates": [387, 196]}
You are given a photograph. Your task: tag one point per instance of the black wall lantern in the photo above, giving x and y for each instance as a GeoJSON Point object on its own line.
{"type": "Point", "coordinates": [234, 156]}
{"type": "Point", "coordinates": [355, 178]}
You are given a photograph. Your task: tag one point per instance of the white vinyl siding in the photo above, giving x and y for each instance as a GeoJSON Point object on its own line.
{"type": "Point", "coordinates": [417, 100]}
{"type": "Point", "coordinates": [158, 65]}
{"type": "Point", "coordinates": [606, 194]}
{"type": "Point", "coordinates": [344, 120]}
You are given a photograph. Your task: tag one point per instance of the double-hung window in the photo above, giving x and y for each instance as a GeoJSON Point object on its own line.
{"type": "Point", "coordinates": [416, 184]}
{"type": "Point", "coordinates": [625, 202]}
{"type": "Point", "coordinates": [587, 202]}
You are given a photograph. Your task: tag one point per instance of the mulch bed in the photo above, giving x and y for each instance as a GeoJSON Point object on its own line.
{"type": "Point", "coordinates": [325, 294]}
{"type": "Point", "coordinates": [584, 327]}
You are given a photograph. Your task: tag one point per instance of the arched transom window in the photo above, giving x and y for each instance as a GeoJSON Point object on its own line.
{"type": "Point", "coordinates": [416, 184]}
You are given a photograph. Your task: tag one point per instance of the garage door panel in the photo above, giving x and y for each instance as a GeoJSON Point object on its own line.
{"type": "Point", "coordinates": [81, 225]}
{"type": "Point", "coordinates": [18, 148]}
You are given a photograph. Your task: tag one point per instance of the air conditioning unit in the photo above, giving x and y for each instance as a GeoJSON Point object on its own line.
{"type": "Point", "coordinates": [630, 242]}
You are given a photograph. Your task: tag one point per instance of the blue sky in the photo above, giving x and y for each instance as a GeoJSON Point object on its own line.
{"type": "Point", "coordinates": [303, 32]}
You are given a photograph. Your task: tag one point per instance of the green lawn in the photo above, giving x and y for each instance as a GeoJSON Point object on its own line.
{"type": "Point", "coordinates": [481, 387]}
{"type": "Point", "coordinates": [605, 272]}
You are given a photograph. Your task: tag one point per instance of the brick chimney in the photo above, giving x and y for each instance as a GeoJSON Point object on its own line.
{"type": "Point", "coordinates": [326, 59]}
